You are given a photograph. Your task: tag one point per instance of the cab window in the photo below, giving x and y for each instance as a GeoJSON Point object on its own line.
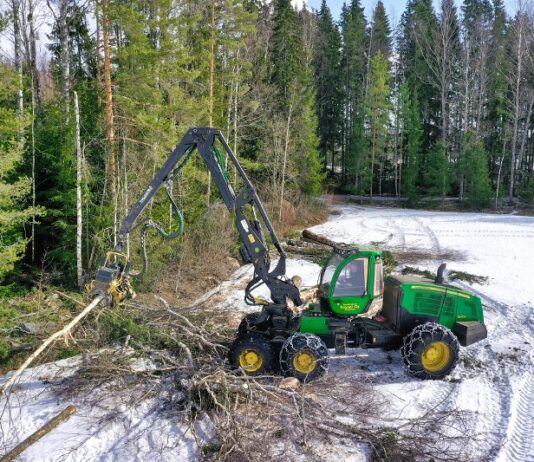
{"type": "Point", "coordinates": [352, 280]}
{"type": "Point", "coordinates": [379, 279]}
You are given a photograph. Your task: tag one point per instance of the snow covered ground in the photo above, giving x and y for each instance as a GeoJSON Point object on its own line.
{"type": "Point", "coordinates": [494, 381]}
{"type": "Point", "coordinates": [114, 422]}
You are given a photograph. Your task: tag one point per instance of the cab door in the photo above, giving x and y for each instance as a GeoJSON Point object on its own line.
{"type": "Point", "coordinates": [352, 288]}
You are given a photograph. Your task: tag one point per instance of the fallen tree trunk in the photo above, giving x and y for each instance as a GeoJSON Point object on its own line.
{"type": "Point", "coordinates": [48, 341]}
{"type": "Point", "coordinates": [46, 428]}
{"type": "Point", "coordinates": [310, 236]}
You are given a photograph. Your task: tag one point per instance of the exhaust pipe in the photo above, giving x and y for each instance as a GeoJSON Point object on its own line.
{"type": "Point", "coordinates": [441, 274]}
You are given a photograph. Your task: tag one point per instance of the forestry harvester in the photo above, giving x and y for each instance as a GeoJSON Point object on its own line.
{"type": "Point", "coordinates": [426, 319]}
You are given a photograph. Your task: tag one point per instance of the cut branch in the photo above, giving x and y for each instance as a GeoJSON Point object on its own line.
{"type": "Point", "coordinates": [47, 342]}
{"type": "Point", "coordinates": [32, 439]}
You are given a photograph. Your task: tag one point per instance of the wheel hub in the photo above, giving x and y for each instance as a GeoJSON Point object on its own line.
{"type": "Point", "coordinates": [304, 362]}
{"type": "Point", "coordinates": [436, 356]}
{"type": "Point", "coordinates": [250, 360]}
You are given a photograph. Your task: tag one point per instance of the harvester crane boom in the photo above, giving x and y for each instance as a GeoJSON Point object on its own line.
{"type": "Point", "coordinates": [254, 248]}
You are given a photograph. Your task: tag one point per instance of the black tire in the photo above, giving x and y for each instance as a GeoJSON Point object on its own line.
{"type": "Point", "coordinates": [430, 351]}
{"type": "Point", "coordinates": [304, 356]}
{"type": "Point", "coordinates": [246, 322]}
{"type": "Point", "coordinates": [253, 353]}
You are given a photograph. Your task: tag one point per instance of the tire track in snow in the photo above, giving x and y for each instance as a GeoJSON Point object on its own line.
{"type": "Point", "coordinates": [431, 235]}
{"type": "Point", "coordinates": [493, 417]}
{"type": "Point", "coordinates": [520, 445]}
{"type": "Point", "coordinates": [442, 396]}
{"type": "Point", "coordinates": [398, 233]}
{"type": "Point", "coordinates": [512, 433]}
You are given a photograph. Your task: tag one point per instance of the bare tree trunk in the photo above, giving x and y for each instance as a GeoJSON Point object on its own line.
{"type": "Point", "coordinates": [64, 57]}
{"type": "Point", "coordinates": [444, 58]}
{"type": "Point", "coordinates": [499, 173]}
{"type": "Point", "coordinates": [17, 32]}
{"type": "Point", "coordinates": [525, 134]}
{"type": "Point", "coordinates": [211, 80]}
{"type": "Point", "coordinates": [236, 115]}
{"type": "Point", "coordinates": [482, 67]}
{"type": "Point", "coordinates": [79, 223]}
{"type": "Point", "coordinates": [284, 163]}
{"type": "Point", "coordinates": [126, 190]}
{"type": "Point", "coordinates": [465, 122]}
{"type": "Point", "coordinates": [110, 131]}
{"type": "Point", "coordinates": [36, 85]}
{"type": "Point", "coordinates": [516, 107]}
{"type": "Point", "coordinates": [98, 56]}
{"type": "Point", "coordinates": [373, 153]}
{"type": "Point", "coordinates": [34, 192]}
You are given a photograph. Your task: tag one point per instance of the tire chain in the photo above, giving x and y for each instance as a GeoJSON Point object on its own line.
{"type": "Point", "coordinates": [417, 339]}
{"type": "Point", "coordinates": [304, 342]}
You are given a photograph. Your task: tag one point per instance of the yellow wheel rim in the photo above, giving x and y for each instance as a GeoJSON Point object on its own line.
{"type": "Point", "coordinates": [304, 362]}
{"type": "Point", "coordinates": [250, 360]}
{"type": "Point", "coordinates": [436, 356]}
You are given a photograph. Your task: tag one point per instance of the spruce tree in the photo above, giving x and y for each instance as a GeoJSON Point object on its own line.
{"type": "Point", "coordinates": [328, 84]}
{"type": "Point", "coordinates": [380, 32]}
{"type": "Point", "coordinates": [285, 50]}
{"type": "Point", "coordinates": [296, 165]}
{"type": "Point", "coordinates": [413, 133]}
{"type": "Point", "coordinates": [477, 183]}
{"type": "Point", "coordinates": [353, 70]}
{"type": "Point", "coordinates": [437, 172]}
{"type": "Point", "coordinates": [14, 188]}
{"type": "Point", "coordinates": [418, 29]}
{"type": "Point", "coordinates": [378, 105]}
{"type": "Point", "coordinates": [496, 118]}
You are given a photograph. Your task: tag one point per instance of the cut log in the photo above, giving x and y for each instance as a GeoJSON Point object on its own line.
{"type": "Point", "coordinates": [48, 341]}
{"type": "Point", "coordinates": [32, 439]}
{"type": "Point", "coordinates": [310, 236]}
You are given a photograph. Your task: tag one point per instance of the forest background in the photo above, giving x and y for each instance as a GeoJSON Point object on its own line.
{"type": "Point", "coordinates": [437, 111]}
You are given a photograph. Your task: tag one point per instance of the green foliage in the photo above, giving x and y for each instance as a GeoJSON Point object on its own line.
{"type": "Point", "coordinates": [419, 272]}
{"type": "Point", "coordinates": [286, 49]}
{"type": "Point", "coordinates": [14, 188]}
{"type": "Point", "coordinates": [353, 71]}
{"type": "Point", "coordinates": [526, 189]}
{"type": "Point", "coordinates": [419, 26]}
{"type": "Point", "coordinates": [412, 131]}
{"type": "Point", "coordinates": [379, 107]}
{"type": "Point", "coordinates": [67, 352]}
{"type": "Point", "coordinates": [437, 173]}
{"type": "Point", "coordinates": [328, 84]}
{"type": "Point", "coordinates": [4, 351]}
{"type": "Point", "coordinates": [478, 191]}
{"type": "Point", "coordinates": [381, 32]}
{"type": "Point", "coordinates": [293, 123]}
{"type": "Point", "coordinates": [117, 325]}
{"type": "Point", "coordinates": [56, 175]}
